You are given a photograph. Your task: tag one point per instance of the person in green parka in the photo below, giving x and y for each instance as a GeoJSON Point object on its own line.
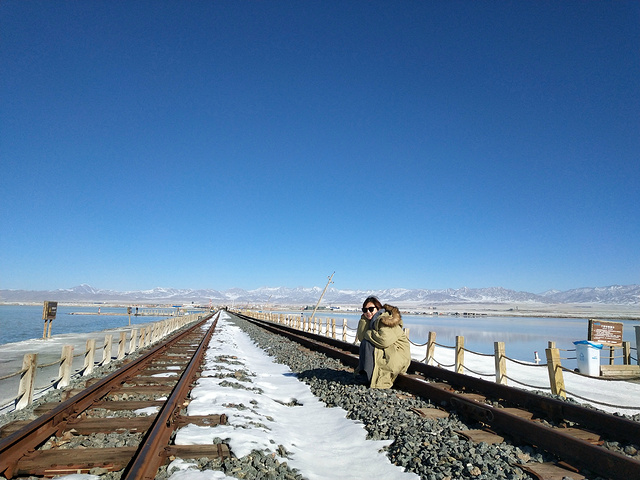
{"type": "Point", "coordinates": [384, 349]}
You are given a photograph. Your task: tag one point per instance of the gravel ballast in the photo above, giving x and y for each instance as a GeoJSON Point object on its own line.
{"type": "Point", "coordinates": [430, 448]}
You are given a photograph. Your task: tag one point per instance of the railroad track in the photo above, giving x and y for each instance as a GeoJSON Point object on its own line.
{"type": "Point", "coordinates": [159, 380]}
{"type": "Point", "coordinates": [577, 436]}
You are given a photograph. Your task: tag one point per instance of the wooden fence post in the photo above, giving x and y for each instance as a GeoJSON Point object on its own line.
{"type": "Point", "coordinates": [27, 380]}
{"type": "Point", "coordinates": [611, 355]}
{"type": "Point", "coordinates": [626, 353]}
{"type": "Point", "coordinates": [89, 357]}
{"type": "Point", "coordinates": [344, 329]}
{"type": "Point", "coordinates": [556, 379]}
{"type": "Point", "coordinates": [66, 361]}
{"type": "Point", "coordinates": [106, 351]}
{"type": "Point", "coordinates": [637, 329]}
{"type": "Point", "coordinates": [141, 338]}
{"type": "Point", "coordinates": [459, 354]}
{"type": "Point", "coordinates": [132, 342]}
{"type": "Point", "coordinates": [121, 345]}
{"type": "Point", "coordinates": [431, 347]}
{"type": "Point", "coordinates": [501, 363]}
{"type": "Point", "coordinates": [333, 328]}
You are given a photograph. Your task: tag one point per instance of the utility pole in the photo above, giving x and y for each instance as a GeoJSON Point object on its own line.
{"type": "Point", "coordinates": [320, 299]}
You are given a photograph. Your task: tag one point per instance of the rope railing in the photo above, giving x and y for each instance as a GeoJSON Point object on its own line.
{"type": "Point", "coordinates": [139, 339]}
{"type": "Point", "coordinates": [478, 353]}
{"type": "Point", "coordinates": [45, 365]}
{"type": "Point", "coordinates": [617, 356]}
{"type": "Point", "coordinates": [443, 365]}
{"type": "Point", "coordinates": [553, 365]}
{"type": "Point", "coordinates": [478, 373]}
{"type": "Point", "coordinates": [525, 364]}
{"type": "Point", "coordinates": [604, 404]}
{"type": "Point", "coordinates": [602, 379]}
{"type": "Point", "coordinates": [15, 374]}
{"type": "Point", "coordinates": [535, 387]}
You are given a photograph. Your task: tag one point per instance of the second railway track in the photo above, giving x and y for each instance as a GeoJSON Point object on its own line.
{"type": "Point", "coordinates": [576, 435]}
{"type": "Point", "coordinates": [163, 376]}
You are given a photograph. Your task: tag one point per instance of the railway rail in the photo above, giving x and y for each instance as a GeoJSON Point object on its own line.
{"type": "Point", "coordinates": [161, 378]}
{"type": "Point", "coordinates": [574, 434]}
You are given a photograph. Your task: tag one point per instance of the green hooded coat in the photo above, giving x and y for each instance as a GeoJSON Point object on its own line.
{"type": "Point", "coordinates": [392, 354]}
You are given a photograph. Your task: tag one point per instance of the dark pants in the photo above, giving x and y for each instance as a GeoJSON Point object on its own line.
{"type": "Point", "coordinates": [366, 358]}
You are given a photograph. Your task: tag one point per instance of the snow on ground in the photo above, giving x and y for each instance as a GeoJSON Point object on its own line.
{"type": "Point", "coordinates": [322, 443]}
{"type": "Point", "coordinates": [613, 396]}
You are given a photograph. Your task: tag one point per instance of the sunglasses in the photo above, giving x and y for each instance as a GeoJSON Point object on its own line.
{"type": "Point", "coordinates": [369, 309]}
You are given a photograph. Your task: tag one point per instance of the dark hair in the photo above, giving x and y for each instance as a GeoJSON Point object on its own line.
{"type": "Point", "coordinates": [373, 300]}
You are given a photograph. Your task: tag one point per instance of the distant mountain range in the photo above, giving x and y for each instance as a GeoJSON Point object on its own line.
{"type": "Point", "coordinates": [272, 296]}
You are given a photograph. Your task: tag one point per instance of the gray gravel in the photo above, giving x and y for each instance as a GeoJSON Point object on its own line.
{"type": "Point", "coordinates": [430, 448]}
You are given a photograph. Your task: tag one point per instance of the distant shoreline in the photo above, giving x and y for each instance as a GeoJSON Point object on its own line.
{"type": "Point", "coordinates": [596, 311]}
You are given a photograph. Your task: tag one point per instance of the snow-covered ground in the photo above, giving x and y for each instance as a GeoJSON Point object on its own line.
{"type": "Point", "coordinates": [613, 396]}
{"type": "Point", "coordinates": [322, 443]}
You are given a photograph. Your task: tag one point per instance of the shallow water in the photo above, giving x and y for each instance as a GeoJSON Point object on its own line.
{"type": "Point", "coordinates": [24, 322]}
{"type": "Point", "coordinates": [522, 335]}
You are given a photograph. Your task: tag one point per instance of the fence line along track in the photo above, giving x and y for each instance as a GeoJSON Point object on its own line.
{"type": "Point", "coordinates": [155, 372]}
{"type": "Point", "coordinates": [522, 415]}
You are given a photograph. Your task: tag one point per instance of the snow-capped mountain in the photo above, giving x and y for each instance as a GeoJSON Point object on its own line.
{"type": "Point", "coordinates": [611, 295]}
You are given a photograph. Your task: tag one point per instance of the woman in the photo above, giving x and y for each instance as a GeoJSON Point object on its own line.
{"type": "Point", "coordinates": [384, 349]}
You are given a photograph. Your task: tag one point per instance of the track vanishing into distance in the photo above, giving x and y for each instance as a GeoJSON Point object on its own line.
{"type": "Point", "coordinates": [161, 378]}
{"type": "Point", "coordinates": [574, 434]}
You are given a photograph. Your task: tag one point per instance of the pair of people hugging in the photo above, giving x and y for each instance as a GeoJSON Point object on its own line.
{"type": "Point", "coordinates": [384, 348]}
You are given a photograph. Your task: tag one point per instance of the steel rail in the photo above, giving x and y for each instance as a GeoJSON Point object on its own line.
{"type": "Point", "coordinates": [556, 410]}
{"type": "Point", "coordinates": [29, 437]}
{"type": "Point", "coordinates": [152, 453]}
{"type": "Point", "coordinates": [597, 459]}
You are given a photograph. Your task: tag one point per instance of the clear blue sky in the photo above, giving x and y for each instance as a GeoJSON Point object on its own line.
{"type": "Point", "coordinates": [220, 144]}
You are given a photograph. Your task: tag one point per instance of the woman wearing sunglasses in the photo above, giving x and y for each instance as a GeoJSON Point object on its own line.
{"type": "Point", "coordinates": [385, 351]}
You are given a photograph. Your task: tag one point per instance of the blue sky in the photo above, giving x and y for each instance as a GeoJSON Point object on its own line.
{"type": "Point", "coordinates": [226, 144]}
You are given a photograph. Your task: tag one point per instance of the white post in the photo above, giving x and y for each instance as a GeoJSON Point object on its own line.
{"type": "Point", "coordinates": [431, 348]}
{"type": "Point", "coordinates": [27, 380]}
{"type": "Point", "coordinates": [122, 345]}
{"type": "Point", "coordinates": [66, 361]}
{"type": "Point", "coordinates": [89, 357]}
{"type": "Point", "coordinates": [501, 363]}
{"type": "Point", "coordinates": [106, 352]}
{"type": "Point", "coordinates": [132, 341]}
{"type": "Point", "coordinates": [637, 328]}
{"type": "Point", "coordinates": [459, 354]}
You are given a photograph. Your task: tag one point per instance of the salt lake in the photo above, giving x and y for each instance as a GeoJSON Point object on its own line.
{"type": "Point", "coordinates": [522, 335]}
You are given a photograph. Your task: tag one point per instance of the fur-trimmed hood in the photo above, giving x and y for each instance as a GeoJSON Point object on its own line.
{"type": "Point", "coordinates": [391, 316]}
